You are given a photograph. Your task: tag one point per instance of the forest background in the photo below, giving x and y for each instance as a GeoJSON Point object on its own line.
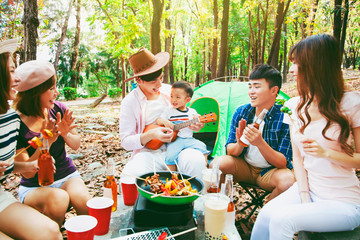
{"type": "Point", "coordinates": [89, 41]}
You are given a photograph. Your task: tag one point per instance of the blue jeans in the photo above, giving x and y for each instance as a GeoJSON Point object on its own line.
{"type": "Point", "coordinates": [173, 149]}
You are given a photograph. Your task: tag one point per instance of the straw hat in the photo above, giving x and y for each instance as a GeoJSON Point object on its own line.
{"type": "Point", "coordinates": [33, 73]}
{"type": "Point", "coordinates": [144, 62]}
{"type": "Point", "coordinates": [8, 45]}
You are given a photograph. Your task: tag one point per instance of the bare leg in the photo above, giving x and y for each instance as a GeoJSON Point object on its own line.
{"type": "Point", "coordinates": [23, 222]}
{"type": "Point", "coordinates": [53, 202]}
{"type": "Point", "coordinates": [281, 179]}
{"type": "Point", "coordinates": [78, 193]}
{"type": "Point", "coordinates": [235, 166]}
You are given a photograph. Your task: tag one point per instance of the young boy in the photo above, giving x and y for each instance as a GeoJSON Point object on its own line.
{"type": "Point", "coordinates": [181, 93]}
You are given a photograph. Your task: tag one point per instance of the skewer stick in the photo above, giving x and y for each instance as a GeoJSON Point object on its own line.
{"type": "Point", "coordinates": [179, 172]}
{"type": "Point", "coordinates": [157, 195]}
{"type": "Point", "coordinates": [12, 158]}
{"type": "Point", "coordinates": [154, 166]}
{"type": "Point", "coordinates": [167, 167]}
{"type": "Point", "coordinates": [134, 176]}
{"type": "Point", "coordinates": [192, 193]}
{"type": "Point", "coordinates": [181, 233]}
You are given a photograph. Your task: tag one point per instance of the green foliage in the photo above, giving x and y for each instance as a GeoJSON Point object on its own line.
{"type": "Point", "coordinates": [114, 92]}
{"type": "Point", "coordinates": [92, 89]}
{"type": "Point", "coordinates": [69, 93]}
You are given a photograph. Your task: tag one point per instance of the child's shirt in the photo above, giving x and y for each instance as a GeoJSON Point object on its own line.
{"type": "Point", "coordinates": [177, 116]}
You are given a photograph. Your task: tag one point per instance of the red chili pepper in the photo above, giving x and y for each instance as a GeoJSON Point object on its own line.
{"type": "Point", "coordinates": [173, 185]}
{"type": "Point", "coordinates": [165, 191]}
{"type": "Point", "coordinates": [162, 236]}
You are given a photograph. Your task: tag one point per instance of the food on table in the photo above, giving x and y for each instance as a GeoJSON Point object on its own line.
{"type": "Point", "coordinates": [35, 142]}
{"type": "Point", "coordinates": [172, 187]}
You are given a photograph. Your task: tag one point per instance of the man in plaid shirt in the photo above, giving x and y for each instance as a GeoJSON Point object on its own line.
{"type": "Point", "coordinates": [266, 161]}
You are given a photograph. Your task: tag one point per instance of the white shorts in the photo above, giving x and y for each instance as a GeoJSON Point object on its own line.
{"type": "Point", "coordinates": [23, 191]}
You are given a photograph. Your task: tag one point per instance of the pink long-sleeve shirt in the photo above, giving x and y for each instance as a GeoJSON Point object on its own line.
{"type": "Point", "coordinates": [132, 117]}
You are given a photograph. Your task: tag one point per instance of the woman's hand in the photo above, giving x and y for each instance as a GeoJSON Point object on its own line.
{"type": "Point", "coordinates": [196, 126]}
{"type": "Point", "coordinates": [312, 147]}
{"type": "Point", "coordinates": [66, 124]}
{"type": "Point", "coordinates": [305, 197]}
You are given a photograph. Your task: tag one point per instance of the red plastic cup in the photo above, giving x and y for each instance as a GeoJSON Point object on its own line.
{"type": "Point", "coordinates": [100, 208]}
{"type": "Point", "coordinates": [129, 192]}
{"type": "Point", "coordinates": [80, 227]}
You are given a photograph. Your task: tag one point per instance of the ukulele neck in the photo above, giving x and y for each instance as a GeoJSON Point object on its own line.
{"type": "Point", "coordinates": [185, 124]}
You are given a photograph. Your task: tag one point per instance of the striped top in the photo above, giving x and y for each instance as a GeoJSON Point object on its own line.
{"type": "Point", "coordinates": [9, 129]}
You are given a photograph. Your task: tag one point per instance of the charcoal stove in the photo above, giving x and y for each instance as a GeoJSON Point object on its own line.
{"type": "Point", "coordinates": [149, 215]}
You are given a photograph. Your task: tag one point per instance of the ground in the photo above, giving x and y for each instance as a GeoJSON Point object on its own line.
{"type": "Point", "coordinates": [98, 128]}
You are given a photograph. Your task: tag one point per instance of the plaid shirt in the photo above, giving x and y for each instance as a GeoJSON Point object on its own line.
{"type": "Point", "coordinates": [275, 132]}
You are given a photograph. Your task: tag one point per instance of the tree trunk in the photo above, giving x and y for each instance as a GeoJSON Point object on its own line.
{"type": "Point", "coordinates": [337, 19]}
{"type": "Point", "coordinates": [167, 44]}
{"type": "Point", "coordinates": [98, 101]}
{"type": "Point", "coordinates": [264, 34]}
{"type": "Point", "coordinates": [171, 61]}
{"type": "Point", "coordinates": [63, 35]}
{"type": "Point", "coordinates": [313, 15]}
{"type": "Point", "coordinates": [258, 37]}
{"type": "Point", "coordinates": [31, 23]}
{"type": "Point", "coordinates": [74, 58]}
{"type": "Point", "coordinates": [117, 72]}
{"type": "Point", "coordinates": [158, 7]}
{"type": "Point", "coordinates": [252, 40]}
{"type": "Point", "coordinates": [275, 46]}
{"type": "Point", "coordinates": [204, 62]}
{"type": "Point", "coordinates": [224, 38]}
{"type": "Point", "coordinates": [344, 26]}
{"type": "Point", "coordinates": [215, 42]}
{"type": "Point", "coordinates": [249, 52]}
{"type": "Point", "coordinates": [123, 76]}
{"type": "Point", "coordinates": [285, 55]}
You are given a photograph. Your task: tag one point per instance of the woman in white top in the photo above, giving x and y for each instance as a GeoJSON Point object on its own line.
{"type": "Point", "coordinates": [17, 220]}
{"type": "Point", "coordinates": [325, 120]}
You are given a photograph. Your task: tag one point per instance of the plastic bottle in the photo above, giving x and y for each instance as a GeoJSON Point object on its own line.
{"type": "Point", "coordinates": [230, 215]}
{"type": "Point", "coordinates": [45, 163]}
{"type": "Point", "coordinates": [258, 120]}
{"type": "Point", "coordinates": [110, 186]}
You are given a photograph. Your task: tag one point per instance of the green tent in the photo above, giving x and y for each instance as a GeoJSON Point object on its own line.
{"type": "Point", "coordinates": [222, 98]}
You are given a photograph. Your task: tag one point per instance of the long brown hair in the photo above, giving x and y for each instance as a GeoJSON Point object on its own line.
{"type": "Point", "coordinates": [4, 82]}
{"type": "Point", "coordinates": [28, 102]}
{"type": "Point", "coordinates": [320, 77]}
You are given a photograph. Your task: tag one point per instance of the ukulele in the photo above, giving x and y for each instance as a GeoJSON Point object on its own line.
{"type": "Point", "coordinates": [155, 144]}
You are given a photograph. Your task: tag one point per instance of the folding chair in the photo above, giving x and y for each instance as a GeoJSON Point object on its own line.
{"type": "Point", "coordinates": [257, 195]}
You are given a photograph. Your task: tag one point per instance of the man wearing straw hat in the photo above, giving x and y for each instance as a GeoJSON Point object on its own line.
{"type": "Point", "coordinates": [142, 107]}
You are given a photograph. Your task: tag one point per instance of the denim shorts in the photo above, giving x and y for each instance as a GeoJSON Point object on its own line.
{"type": "Point", "coordinates": [23, 191]}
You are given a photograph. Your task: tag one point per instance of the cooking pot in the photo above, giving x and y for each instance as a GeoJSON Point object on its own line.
{"type": "Point", "coordinates": [168, 200]}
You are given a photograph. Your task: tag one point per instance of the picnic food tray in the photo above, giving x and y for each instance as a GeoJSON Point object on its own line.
{"type": "Point", "coordinates": [146, 235]}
